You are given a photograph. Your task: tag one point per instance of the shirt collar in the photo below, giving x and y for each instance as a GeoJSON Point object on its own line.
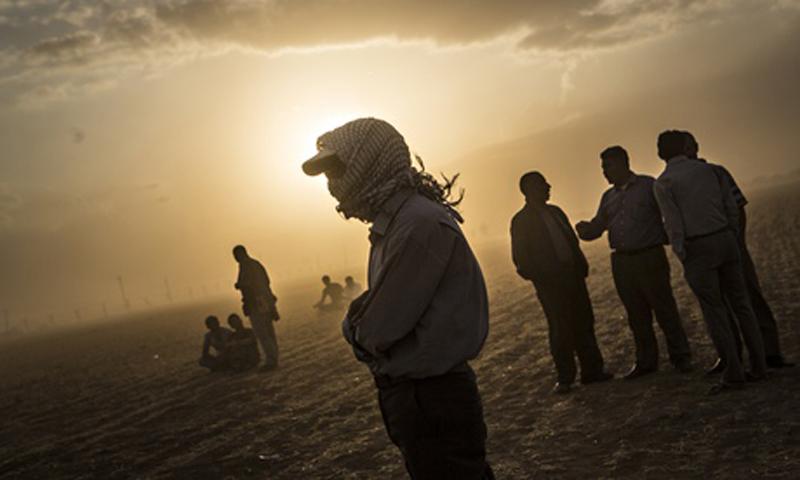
{"type": "Point", "coordinates": [677, 159]}
{"type": "Point", "coordinates": [389, 210]}
{"type": "Point", "coordinates": [631, 180]}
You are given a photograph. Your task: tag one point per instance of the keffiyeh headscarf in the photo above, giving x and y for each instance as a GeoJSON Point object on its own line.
{"type": "Point", "coordinates": [378, 164]}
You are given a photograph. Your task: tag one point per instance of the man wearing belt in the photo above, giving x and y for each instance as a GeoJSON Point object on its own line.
{"type": "Point", "coordinates": [701, 219]}
{"type": "Point", "coordinates": [628, 210]}
{"type": "Point", "coordinates": [425, 313]}
{"type": "Point", "coordinates": [545, 251]}
{"type": "Point", "coordinates": [766, 320]}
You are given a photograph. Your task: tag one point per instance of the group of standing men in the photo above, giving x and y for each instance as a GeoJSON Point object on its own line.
{"type": "Point", "coordinates": [697, 208]}
{"type": "Point", "coordinates": [424, 315]}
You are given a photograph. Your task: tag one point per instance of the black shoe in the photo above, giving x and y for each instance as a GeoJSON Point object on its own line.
{"type": "Point", "coordinates": [777, 361]}
{"type": "Point", "coordinates": [638, 371]}
{"type": "Point", "coordinates": [684, 366]}
{"type": "Point", "coordinates": [597, 378]}
{"type": "Point", "coordinates": [717, 368]}
{"type": "Point", "coordinates": [725, 388]}
{"type": "Point", "coordinates": [752, 377]}
{"type": "Point", "coordinates": [561, 388]}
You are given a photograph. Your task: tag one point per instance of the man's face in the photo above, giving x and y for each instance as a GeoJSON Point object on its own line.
{"type": "Point", "coordinates": [538, 189]}
{"type": "Point", "coordinates": [614, 170]}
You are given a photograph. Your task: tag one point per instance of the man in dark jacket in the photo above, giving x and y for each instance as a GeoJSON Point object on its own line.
{"type": "Point", "coordinates": [425, 313]}
{"type": "Point", "coordinates": [258, 303]}
{"type": "Point", "coordinates": [545, 251]}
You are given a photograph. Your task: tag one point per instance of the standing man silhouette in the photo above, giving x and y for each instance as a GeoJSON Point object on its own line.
{"type": "Point", "coordinates": [425, 312]}
{"type": "Point", "coordinates": [764, 315]}
{"type": "Point", "coordinates": [702, 221]}
{"type": "Point", "coordinates": [258, 303]}
{"type": "Point", "coordinates": [545, 251]}
{"type": "Point", "coordinates": [629, 212]}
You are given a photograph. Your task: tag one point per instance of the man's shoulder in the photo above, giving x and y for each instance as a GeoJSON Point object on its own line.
{"type": "Point", "coordinates": [419, 212]}
{"type": "Point", "coordinates": [644, 178]}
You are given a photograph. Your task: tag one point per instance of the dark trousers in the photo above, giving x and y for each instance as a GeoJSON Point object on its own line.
{"type": "Point", "coordinates": [265, 333]}
{"type": "Point", "coordinates": [437, 423]}
{"type": "Point", "coordinates": [643, 284]}
{"type": "Point", "coordinates": [766, 320]}
{"type": "Point", "coordinates": [570, 321]}
{"type": "Point", "coordinates": [713, 270]}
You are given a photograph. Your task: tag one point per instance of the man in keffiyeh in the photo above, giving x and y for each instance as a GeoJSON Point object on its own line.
{"type": "Point", "coordinates": [425, 313]}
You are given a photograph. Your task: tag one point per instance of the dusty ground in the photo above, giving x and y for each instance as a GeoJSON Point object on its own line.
{"type": "Point", "coordinates": [127, 400]}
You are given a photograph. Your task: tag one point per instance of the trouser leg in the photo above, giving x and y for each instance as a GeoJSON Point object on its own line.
{"type": "Point", "coordinates": [732, 283]}
{"type": "Point", "coordinates": [701, 270]}
{"type": "Point", "coordinates": [559, 332]}
{"type": "Point", "coordinates": [437, 423]}
{"type": "Point", "coordinates": [264, 330]}
{"type": "Point", "coordinates": [658, 290]}
{"type": "Point", "coordinates": [640, 317]}
{"type": "Point", "coordinates": [734, 326]}
{"type": "Point", "coordinates": [582, 319]}
{"type": "Point", "coordinates": [764, 315]}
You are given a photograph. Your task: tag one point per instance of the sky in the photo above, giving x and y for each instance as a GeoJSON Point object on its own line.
{"type": "Point", "coordinates": [144, 139]}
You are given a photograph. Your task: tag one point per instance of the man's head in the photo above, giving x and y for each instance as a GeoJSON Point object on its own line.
{"type": "Point", "coordinates": [366, 161]}
{"type": "Point", "coordinates": [616, 165]}
{"type": "Point", "coordinates": [235, 321]}
{"type": "Point", "coordinates": [671, 143]}
{"type": "Point", "coordinates": [535, 188]}
{"type": "Point", "coordinates": [240, 253]}
{"type": "Point", "coordinates": [348, 280]}
{"type": "Point", "coordinates": [212, 322]}
{"type": "Point", "coordinates": [326, 279]}
{"type": "Point", "coordinates": [692, 147]}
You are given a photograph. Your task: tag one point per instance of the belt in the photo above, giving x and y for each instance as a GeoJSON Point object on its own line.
{"type": "Point", "coordinates": [385, 381]}
{"type": "Point", "coordinates": [637, 251]}
{"type": "Point", "coordinates": [704, 235]}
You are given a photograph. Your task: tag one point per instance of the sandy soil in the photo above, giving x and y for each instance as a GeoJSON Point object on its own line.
{"type": "Point", "coordinates": [126, 400]}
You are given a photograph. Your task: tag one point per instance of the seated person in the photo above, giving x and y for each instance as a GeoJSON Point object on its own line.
{"type": "Point", "coordinates": [215, 339]}
{"type": "Point", "coordinates": [241, 348]}
{"type": "Point", "coordinates": [351, 288]}
{"type": "Point", "coordinates": [332, 290]}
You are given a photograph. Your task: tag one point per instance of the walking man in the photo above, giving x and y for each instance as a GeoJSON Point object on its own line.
{"type": "Point", "coordinates": [425, 312]}
{"type": "Point", "coordinates": [629, 212]}
{"type": "Point", "coordinates": [545, 251]}
{"type": "Point", "coordinates": [766, 320]}
{"type": "Point", "coordinates": [701, 220]}
{"type": "Point", "coordinates": [258, 303]}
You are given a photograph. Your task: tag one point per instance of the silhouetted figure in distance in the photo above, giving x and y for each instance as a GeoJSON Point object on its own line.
{"type": "Point", "coordinates": [258, 303]}
{"type": "Point", "coordinates": [701, 220]}
{"type": "Point", "coordinates": [629, 212]}
{"type": "Point", "coordinates": [215, 339]}
{"type": "Point", "coordinates": [333, 291]}
{"type": "Point", "coordinates": [425, 313]}
{"type": "Point", "coordinates": [351, 288]}
{"type": "Point", "coordinates": [241, 346]}
{"type": "Point", "coordinates": [545, 251]}
{"type": "Point", "coordinates": [764, 315]}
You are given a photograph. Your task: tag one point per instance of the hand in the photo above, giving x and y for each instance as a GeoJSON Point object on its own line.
{"type": "Point", "coordinates": [582, 227]}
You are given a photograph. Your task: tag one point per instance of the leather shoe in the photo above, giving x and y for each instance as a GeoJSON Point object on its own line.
{"type": "Point", "coordinates": [717, 368]}
{"type": "Point", "coordinates": [777, 361]}
{"type": "Point", "coordinates": [724, 388]}
{"type": "Point", "coordinates": [561, 388]}
{"type": "Point", "coordinates": [597, 378]}
{"type": "Point", "coordinates": [638, 371]}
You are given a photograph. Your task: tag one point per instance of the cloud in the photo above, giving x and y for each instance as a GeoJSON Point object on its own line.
{"type": "Point", "coordinates": [81, 43]}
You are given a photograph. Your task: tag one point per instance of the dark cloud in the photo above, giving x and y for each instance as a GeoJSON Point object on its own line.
{"type": "Point", "coordinates": [106, 39]}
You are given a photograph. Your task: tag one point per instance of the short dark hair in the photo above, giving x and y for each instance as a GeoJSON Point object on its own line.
{"type": "Point", "coordinates": [234, 320]}
{"type": "Point", "coordinates": [526, 179]}
{"type": "Point", "coordinates": [671, 143]}
{"type": "Point", "coordinates": [692, 147]}
{"type": "Point", "coordinates": [616, 152]}
{"type": "Point", "coordinates": [212, 321]}
{"type": "Point", "coordinates": [239, 249]}
{"type": "Point", "coordinates": [326, 278]}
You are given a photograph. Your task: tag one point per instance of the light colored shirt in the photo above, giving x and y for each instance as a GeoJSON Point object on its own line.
{"type": "Point", "coordinates": [426, 310]}
{"type": "Point", "coordinates": [694, 200]}
{"type": "Point", "coordinates": [630, 214]}
{"type": "Point", "coordinates": [555, 229]}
